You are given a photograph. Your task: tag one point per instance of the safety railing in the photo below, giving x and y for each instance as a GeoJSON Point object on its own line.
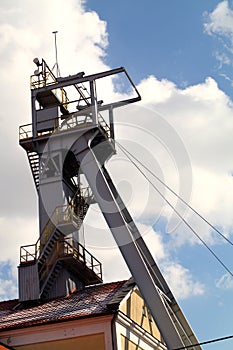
{"type": "Point", "coordinates": [28, 253]}
{"type": "Point", "coordinates": [64, 249]}
{"type": "Point", "coordinates": [86, 193]}
{"type": "Point", "coordinates": [84, 196]}
{"type": "Point", "coordinates": [74, 120]}
{"type": "Point", "coordinates": [104, 125]}
{"type": "Point", "coordinates": [80, 253]}
{"type": "Point", "coordinates": [60, 215]}
{"type": "Point", "coordinates": [45, 77]}
{"type": "Point", "coordinates": [25, 131]}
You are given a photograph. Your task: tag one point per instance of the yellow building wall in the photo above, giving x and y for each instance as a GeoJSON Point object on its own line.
{"type": "Point", "coordinates": [128, 344]}
{"type": "Point", "coordinates": [89, 342]}
{"type": "Point", "coordinates": [136, 310]}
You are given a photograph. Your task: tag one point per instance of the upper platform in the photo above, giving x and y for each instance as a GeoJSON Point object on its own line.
{"type": "Point", "coordinates": [63, 104]}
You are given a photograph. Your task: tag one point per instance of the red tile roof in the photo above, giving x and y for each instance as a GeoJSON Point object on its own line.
{"type": "Point", "coordinates": [91, 301]}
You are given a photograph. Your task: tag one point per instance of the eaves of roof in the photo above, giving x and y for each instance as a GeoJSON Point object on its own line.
{"type": "Point", "coordinates": [92, 301]}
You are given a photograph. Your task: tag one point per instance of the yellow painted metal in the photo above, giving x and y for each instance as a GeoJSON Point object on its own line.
{"type": "Point", "coordinates": [65, 249]}
{"type": "Point", "coordinates": [47, 78]}
{"type": "Point", "coordinates": [61, 215]}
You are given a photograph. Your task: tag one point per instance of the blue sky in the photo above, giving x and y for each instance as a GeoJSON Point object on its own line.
{"type": "Point", "coordinates": [162, 37]}
{"type": "Point", "coordinates": [179, 53]}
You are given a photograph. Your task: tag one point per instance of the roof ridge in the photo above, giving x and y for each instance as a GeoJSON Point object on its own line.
{"type": "Point", "coordinates": [121, 293]}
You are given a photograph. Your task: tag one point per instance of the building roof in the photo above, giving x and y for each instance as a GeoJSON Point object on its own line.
{"type": "Point", "coordinates": [92, 301]}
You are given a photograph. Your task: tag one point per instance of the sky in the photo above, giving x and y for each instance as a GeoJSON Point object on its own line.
{"type": "Point", "coordinates": [179, 54]}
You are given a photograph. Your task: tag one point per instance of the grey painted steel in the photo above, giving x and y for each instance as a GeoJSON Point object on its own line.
{"type": "Point", "coordinates": [45, 118]}
{"type": "Point", "coordinates": [29, 288]}
{"type": "Point", "coordinates": [94, 108]}
{"type": "Point", "coordinates": [63, 285]}
{"type": "Point", "coordinates": [156, 274]}
{"type": "Point", "coordinates": [128, 248]}
{"type": "Point", "coordinates": [176, 313]}
{"type": "Point", "coordinates": [76, 79]}
{"type": "Point", "coordinates": [79, 79]}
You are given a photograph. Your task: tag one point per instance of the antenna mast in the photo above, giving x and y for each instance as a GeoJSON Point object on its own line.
{"type": "Point", "coordinates": [56, 64]}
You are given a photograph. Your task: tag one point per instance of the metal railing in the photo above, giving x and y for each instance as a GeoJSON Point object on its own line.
{"type": "Point", "coordinates": [74, 120]}
{"type": "Point", "coordinates": [80, 253]}
{"type": "Point", "coordinates": [28, 253]}
{"type": "Point", "coordinates": [84, 195]}
{"type": "Point", "coordinates": [45, 77]}
{"type": "Point", "coordinates": [104, 125]}
{"type": "Point", "coordinates": [63, 249]}
{"type": "Point", "coordinates": [61, 215]}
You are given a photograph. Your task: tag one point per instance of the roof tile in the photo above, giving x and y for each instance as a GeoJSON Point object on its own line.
{"type": "Point", "coordinates": [91, 301]}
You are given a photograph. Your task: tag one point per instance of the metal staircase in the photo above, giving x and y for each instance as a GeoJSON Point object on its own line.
{"type": "Point", "coordinates": [52, 250]}
{"type": "Point", "coordinates": [48, 248]}
{"type": "Point", "coordinates": [34, 161]}
{"type": "Point", "coordinates": [50, 279]}
{"type": "Point", "coordinates": [77, 259]}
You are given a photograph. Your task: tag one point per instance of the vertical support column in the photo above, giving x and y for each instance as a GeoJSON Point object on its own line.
{"type": "Point", "coordinates": [33, 105]}
{"type": "Point", "coordinates": [111, 123]}
{"type": "Point", "coordinates": [94, 106]}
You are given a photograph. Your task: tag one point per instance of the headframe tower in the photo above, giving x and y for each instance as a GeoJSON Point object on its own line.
{"type": "Point", "coordinates": [68, 144]}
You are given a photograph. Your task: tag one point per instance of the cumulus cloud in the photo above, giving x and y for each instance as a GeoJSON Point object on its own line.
{"type": "Point", "coordinates": [202, 117]}
{"type": "Point", "coordinates": [181, 282]}
{"type": "Point", "coordinates": [220, 21]}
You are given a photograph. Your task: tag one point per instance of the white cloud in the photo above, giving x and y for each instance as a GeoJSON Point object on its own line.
{"type": "Point", "coordinates": [181, 282]}
{"type": "Point", "coordinates": [8, 280]}
{"type": "Point", "coordinates": [14, 233]}
{"type": "Point", "coordinates": [222, 58]}
{"type": "Point", "coordinates": [8, 289]}
{"type": "Point", "coordinates": [225, 282]}
{"type": "Point", "coordinates": [220, 21]}
{"type": "Point", "coordinates": [163, 89]}
{"type": "Point", "coordinates": [202, 117]}
{"type": "Point", "coordinates": [220, 24]}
